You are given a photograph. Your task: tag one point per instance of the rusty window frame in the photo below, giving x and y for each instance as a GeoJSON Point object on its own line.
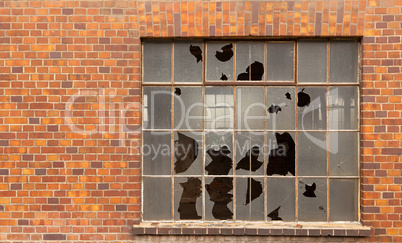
{"type": "Point", "coordinates": [265, 84]}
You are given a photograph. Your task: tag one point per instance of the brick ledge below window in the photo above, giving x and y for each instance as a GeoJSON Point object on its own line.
{"type": "Point", "coordinates": [254, 229]}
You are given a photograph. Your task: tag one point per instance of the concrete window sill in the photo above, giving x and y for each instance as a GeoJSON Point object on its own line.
{"type": "Point", "coordinates": [257, 229]}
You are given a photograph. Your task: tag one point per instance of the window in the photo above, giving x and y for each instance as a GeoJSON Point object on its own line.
{"type": "Point", "coordinates": [250, 130]}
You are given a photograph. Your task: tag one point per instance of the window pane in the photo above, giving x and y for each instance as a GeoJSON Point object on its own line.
{"type": "Point", "coordinates": [281, 194]}
{"type": "Point", "coordinates": [250, 61]}
{"type": "Point", "coordinates": [220, 57]}
{"type": "Point", "coordinates": [312, 108]}
{"type": "Point", "coordinates": [312, 154]}
{"type": "Point", "coordinates": [157, 198]}
{"type": "Point", "coordinates": [187, 198]}
{"type": "Point", "coordinates": [219, 153]}
{"type": "Point", "coordinates": [343, 199]}
{"type": "Point", "coordinates": [250, 108]}
{"type": "Point", "coordinates": [281, 148]}
{"type": "Point", "coordinates": [219, 198]}
{"type": "Point", "coordinates": [219, 108]}
{"type": "Point", "coordinates": [188, 61]}
{"type": "Point", "coordinates": [312, 199]}
{"type": "Point", "coordinates": [312, 62]}
{"type": "Point", "coordinates": [343, 108]}
{"type": "Point", "coordinates": [250, 199]}
{"type": "Point", "coordinates": [188, 153]}
{"type": "Point", "coordinates": [156, 153]}
{"type": "Point", "coordinates": [188, 107]}
{"type": "Point", "coordinates": [249, 153]}
{"type": "Point", "coordinates": [343, 161]}
{"type": "Point", "coordinates": [343, 61]}
{"type": "Point", "coordinates": [157, 104]}
{"type": "Point", "coordinates": [281, 108]}
{"type": "Point", "coordinates": [157, 59]}
{"type": "Point", "coordinates": [280, 58]}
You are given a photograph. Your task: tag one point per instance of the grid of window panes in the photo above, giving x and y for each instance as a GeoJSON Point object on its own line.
{"type": "Point", "coordinates": [250, 130]}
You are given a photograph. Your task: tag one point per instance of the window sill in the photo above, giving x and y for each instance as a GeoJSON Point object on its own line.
{"type": "Point", "coordinates": [254, 229]}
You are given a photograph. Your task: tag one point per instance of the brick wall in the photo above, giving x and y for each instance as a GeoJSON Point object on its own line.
{"type": "Point", "coordinates": [78, 179]}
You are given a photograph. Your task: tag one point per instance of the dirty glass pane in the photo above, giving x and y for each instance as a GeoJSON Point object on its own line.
{"type": "Point", "coordinates": [188, 153]}
{"type": "Point", "coordinates": [343, 196]}
{"type": "Point", "coordinates": [280, 59]}
{"type": "Point", "coordinates": [312, 154]}
{"type": "Point", "coordinates": [343, 108]}
{"type": "Point", "coordinates": [281, 199]}
{"type": "Point", "coordinates": [312, 199]}
{"type": "Point", "coordinates": [249, 153]}
{"type": "Point", "coordinates": [250, 108]}
{"type": "Point", "coordinates": [281, 149]}
{"type": "Point", "coordinates": [157, 61]}
{"type": "Point", "coordinates": [220, 57]}
{"type": "Point", "coordinates": [156, 152]}
{"type": "Point", "coordinates": [219, 198]}
{"type": "Point", "coordinates": [281, 108]}
{"type": "Point", "coordinates": [250, 199]}
{"type": "Point", "coordinates": [312, 62]}
{"type": "Point", "coordinates": [188, 60]}
{"type": "Point", "coordinates": [219, 108]}
{"type": "Point", "coordinates": [343, 63]}
{"type": "Point", "coordinates": [312, 108]}
{"type": "Point", "coordinates": [157, 104]}
{"type": "Point", "coordinates": [157, 198]}
{"type": "Point", "coordinates": [344, 153]}
{"type": "Point", "coordinates": [187, 198]}
{"type": "Point", "coordinates": [188, 107]}
{"type": "Point", "coordinates": [219, 153]}
{"type": "Point", "coordinates": [250, 61]}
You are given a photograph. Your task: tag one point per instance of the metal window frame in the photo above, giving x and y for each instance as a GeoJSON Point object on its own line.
{"type": "Point", "coordinates": [265, 84]}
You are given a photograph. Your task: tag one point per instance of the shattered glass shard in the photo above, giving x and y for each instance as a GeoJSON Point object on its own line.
{"type": "Point", "coordinates": [196, 52]}
{"type": "Point", "coordinates": [282, 159]}
{"type": "Point", "coordinates": [186, 151]}
{"type": "Point", "coordinates": [221, 163]}
{"type": "Point", "coordinates": [255, 188]}
{"type": "Point", "coordinates": [225, 54]}
{"type": "Point", "coordinates": [187, 204]}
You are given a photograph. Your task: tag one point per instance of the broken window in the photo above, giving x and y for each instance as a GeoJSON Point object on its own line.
{"type": "Point", "coordinates": [255, 131]}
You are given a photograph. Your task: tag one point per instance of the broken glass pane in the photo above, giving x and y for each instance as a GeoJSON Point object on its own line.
{"type": "Point", "coordinates": [219, 153]}
{"type": "Point", "coordinates": [250, 108]}
{"type": "Point", "coordinates": [280, 58]}
{"type": "Point", "coordinates": [249, 153]}
{"type": "Point", "coordinates": [312, 108]}
{"type": "Point", "coordinates": [188, 153]}
{"type": "Point", "coordinates": [250, 61]}
{"type": "Point", "coordinates": [343, 63]}
{"type": "Point", "coordinates": [343, 196]}
{"type": "Point", "coordinates": [157, 104]}
{"type": "Point", "coordinates": [312, 154]}
{"type": "Point", "coordinates": [187, 198]}
{"type": "Point", "coordinates": [218, 108]}
{"type": "Point", "coordinates": [343, 108]}
{"type": "Point", "coordinates": [157, 198]}
{"type": "Point", "coordinates": [219, 198]}
{"type": "Point", "coordinates": [157, 61]}
{"type": "Point", "coordinates": [343, 160]}
{"type": "Point", "coordinates": [188, 61]}
{"type": "Point", "coordinates": [281, 199]}
{"type": "Point", "coordinates": [281, 108]}
{"type": "Point", "coordinates": [312, 62]}
{"type": "Point", "coordinates": [250, 199]}
{"type": "Point", "coordinates": [312, 199]}
{"type": "Point", "coordinates": [220, 57]}
{"type": "Point", "coordinates": [156, 152]}
{"type": "Point", "coordinates": [281, 148]}
{"type": "Point", "coordinates": [188, 107]}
